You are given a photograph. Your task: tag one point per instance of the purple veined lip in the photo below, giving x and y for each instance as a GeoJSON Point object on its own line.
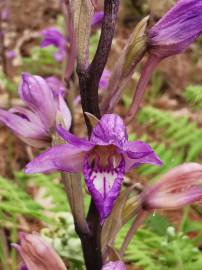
{"type": "Point", "coordinates": [104, 180]}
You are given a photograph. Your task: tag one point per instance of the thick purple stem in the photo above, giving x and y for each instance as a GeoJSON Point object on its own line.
{"type": "Point", "coordinates": [147, 71]}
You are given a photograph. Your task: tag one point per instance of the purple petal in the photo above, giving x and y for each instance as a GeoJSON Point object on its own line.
{"type": "Point", "coordinates": [65, 112]}
{"type": "Point", "coordinates": [36, 93]}
{"type": "Point", "coordinates": [177, 29]}
{"type": "Point", "coordinates": [137, 153]}
{"type": "Point", "coordinates": [104, 184]}
{"type": "Point", "coordinates": [97, 19]}
{"type": "Point", "coordinates": [56, 86]}
{"type": "Point", "coordinates": [72, 139]}
{"type": "Point", "coordinates": [65, 157]}
{"type": "Point", "coordinates": [22, 126]}
{"type": "Point", "coordinates": [110, 130]}
{"type": "Point", "coordinates": [29, 115]}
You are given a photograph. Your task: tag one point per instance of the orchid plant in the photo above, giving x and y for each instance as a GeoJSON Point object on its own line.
{"type": "Point", "coordinates": [106, 155]}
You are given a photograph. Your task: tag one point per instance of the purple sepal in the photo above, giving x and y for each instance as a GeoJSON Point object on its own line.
{"type": "Point", "coordinates": [110, 130]}
{"type": "Point", "coordinates": [56, 86]}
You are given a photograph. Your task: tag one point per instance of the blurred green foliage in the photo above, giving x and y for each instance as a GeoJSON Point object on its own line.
{"type": "Point", "coordinates": [41, 62]}
{"type": "Point", "coordinates": [193, 95]}
{"type": "Point", "coordinates": [62, 236]}
{"type": "Point", "coordinates": [177, 139]}
{"type": "Point", "coordinates": [158, 246]}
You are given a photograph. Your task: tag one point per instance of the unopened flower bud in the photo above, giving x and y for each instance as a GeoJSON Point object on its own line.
{"type": "Point", "coordinates": [37, 254]}
{"type": "Point", "coordinates": [177, 29]}
{"type": "Point", "coordinates": [177, 188]}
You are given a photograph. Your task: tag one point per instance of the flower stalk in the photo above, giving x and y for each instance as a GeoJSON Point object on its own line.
{"type": "Point", "coordinates": [146, 73]}
{"type": "Point", "coordinates": [89, 78]}
{"type": "Point", "coordinates": [139, 219]}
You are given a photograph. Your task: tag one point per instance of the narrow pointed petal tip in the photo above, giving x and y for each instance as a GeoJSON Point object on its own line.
{"type": "Point", "coordinates": [177, 29]}
{"type": "Point", "coordinates": [178, 187]}
{"type": "Point", "coordinates": [117, 265]}
{"type": "Point", "coordinates": [138, 152]}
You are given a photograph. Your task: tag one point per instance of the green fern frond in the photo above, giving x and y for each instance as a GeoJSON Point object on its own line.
{"type": "Point", "coordinates": [193, 95]}
{"type": "Point", "coordinates": [178, 139]}
{"type": "Point", "coordinates": [176, 132]}
{"type": "Point", "coordinates": [14, 201]}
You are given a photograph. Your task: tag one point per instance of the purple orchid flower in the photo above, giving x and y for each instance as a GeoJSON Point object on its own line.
{"type": "Point", "coordinates": [37, 254]}
{"type": "Point", "coordinates": [97, 19]}
{"type": "Point", "coordinates": [35, 125]}
{"type": "Point", "coordinates": [175, 31]}
{"type": "Point", "coordinates": [52, 36]}
{"type": "Point", "coordinates": [118, 265]}
{"type": "Point", "coordinates": [104, 159]}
